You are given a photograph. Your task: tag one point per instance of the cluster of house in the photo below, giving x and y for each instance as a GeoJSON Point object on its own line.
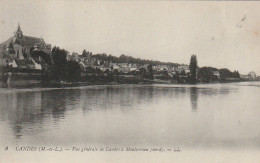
{"type": "Point", "coordinates": [105, 66]}
{"type": "Point", "coordinates": [17, 51]}
{"type": "Point", "coordinates": [125, 68]}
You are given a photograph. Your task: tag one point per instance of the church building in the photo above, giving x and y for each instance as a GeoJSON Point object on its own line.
{"type": "Point", "coordinates": [21, 48]}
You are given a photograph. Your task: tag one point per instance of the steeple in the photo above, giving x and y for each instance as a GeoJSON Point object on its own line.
{"type": "Point", "coordinates": [19, 28]}
{"type": "Point", "coordinates": [19, 32]}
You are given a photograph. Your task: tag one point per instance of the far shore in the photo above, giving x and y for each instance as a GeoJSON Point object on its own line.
{"type": "Point", "coordinates": [137, 81]}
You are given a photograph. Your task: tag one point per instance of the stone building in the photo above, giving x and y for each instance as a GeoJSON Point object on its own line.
{"type": "Point", "coordinates": [21, 47]}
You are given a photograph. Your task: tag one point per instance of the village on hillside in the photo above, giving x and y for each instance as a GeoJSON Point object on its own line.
{"type": "Point", "coordinates": [25, 59]}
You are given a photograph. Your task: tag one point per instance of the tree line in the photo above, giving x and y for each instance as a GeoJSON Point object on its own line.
{"type": "Point", "coordinates": [125, 59]}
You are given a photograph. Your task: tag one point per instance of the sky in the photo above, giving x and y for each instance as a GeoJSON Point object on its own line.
{"type": "Point", "coordinates": [221, 34]}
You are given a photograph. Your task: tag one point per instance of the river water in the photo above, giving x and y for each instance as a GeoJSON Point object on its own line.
{"type": "Point", "coordinates": [186, 116]}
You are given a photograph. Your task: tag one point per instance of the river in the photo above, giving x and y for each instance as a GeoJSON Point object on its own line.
{"type": "Point", "coordinates": [206, 116]}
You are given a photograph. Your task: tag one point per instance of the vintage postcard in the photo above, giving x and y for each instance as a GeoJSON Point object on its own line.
{"type": "Point", "coordinates": [129, 81]}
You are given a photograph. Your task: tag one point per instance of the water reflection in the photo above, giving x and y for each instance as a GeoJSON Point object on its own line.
{"type": "Point", "coordinates": [28, 113]}
{"type": "Point", "coordinates": [54, 103]}
{"type": "Point", "coordinates": [20, 109]}
{"type": "Point", "coordinates": [194, 98]}
{"type": "Point", "coordinates": [31, 108]}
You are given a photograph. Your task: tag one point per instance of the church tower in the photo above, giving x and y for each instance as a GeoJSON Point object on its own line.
{"type": "Point", "coordinates": [18, 33]}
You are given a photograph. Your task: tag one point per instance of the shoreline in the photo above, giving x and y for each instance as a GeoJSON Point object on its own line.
{"type": "Point", "coordinates": [39, 84]}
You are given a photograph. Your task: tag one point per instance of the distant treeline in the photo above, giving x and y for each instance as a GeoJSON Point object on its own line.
{"type": "Point", "coordinates": [125, 59]}
{"type": "Point", "coordinates": [206, 74]}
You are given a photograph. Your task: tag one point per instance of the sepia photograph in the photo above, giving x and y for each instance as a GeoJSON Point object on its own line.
{"type": "Point", "coordinates": [129, 81]}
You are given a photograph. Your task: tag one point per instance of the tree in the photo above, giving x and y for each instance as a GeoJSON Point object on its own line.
{"type": "Point", "coordinates": [176, 77]}
{"type": "Point", "coordinates": [183, 73]}
{"type": "Point", "coordinates": [236, 74]}
{"type": "Point", "coordinates": [73, 71]}
{"type": "Point", "coordinates": [142, 72]}
{"type": "Point", "coordinates": [206, 74]}
{"type": "Point", "coordinates": [225, 73]}
{"type": "Point", "coordinates": [150, 71]}
{"type": "Point", "coordinates": [59, 63]}
{"type": "Point", "coordinates": [193, 68]}
{"type": "Point", "coordinates": [46, 57]}
{"type": "Point", "coordinates": [84, 53]}
{"type": "Point", "coordinates": [165, 73]}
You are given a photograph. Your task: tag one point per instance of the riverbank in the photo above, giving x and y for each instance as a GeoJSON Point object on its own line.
{"type": "Point", "coordinates": [31, 80]}
{"type": "Point", "coordinates": [21, 83]}
{"type": "Point", "coordinates": [119, 81]}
